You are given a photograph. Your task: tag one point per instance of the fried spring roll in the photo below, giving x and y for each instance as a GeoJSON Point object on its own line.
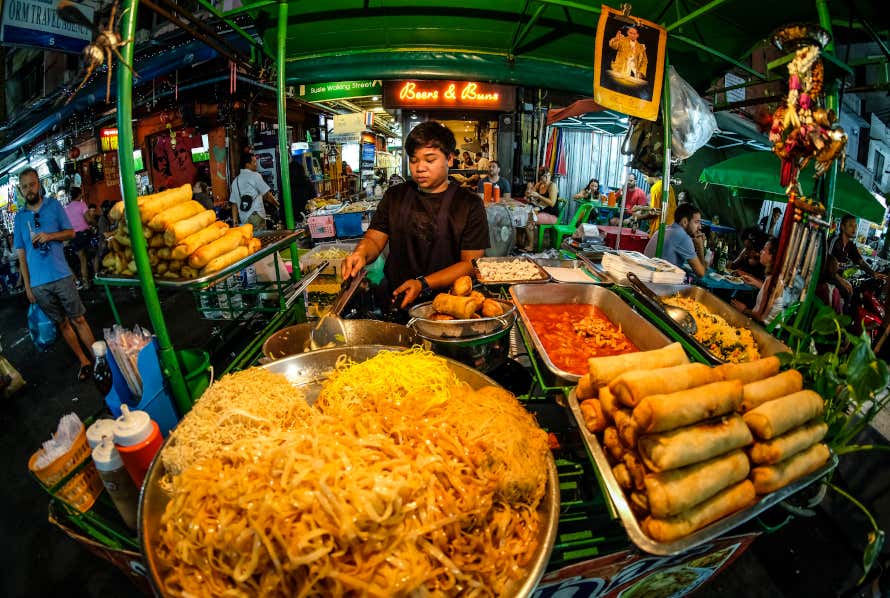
{"type": "Point", "coordinates": [672, 492]}
{"type": "Point", "coordinates": [758, 393]}
{"type": "Point", "coordinates": [622, 476]}
{"type": "Point", "coordinates": [769, 478]}
{"type": "Point", "coordinates": [631, 387]}
{"type": "Point", "coordinates": [726, 502]}
{"type": "Point", "coordinates": [585, 389]}
{"type": "Point", "coordinates": [789, 444]}
{"type": "Point", "coordinates": [776, 417]}
{"type": "Point", "coordinates": [607, 400]}
{"type": "Point", "coordinates": [602, 370]}
{"type": "Point", "coordinates": [693, 444]}
{"type": "Point", "coordinates": [751, 371]}
{"type": "Point", "coordinates": [594, 420]}
{"type": "Point", "coordinates": [613, 444]}
{"type": "Point", "coordinates": [659, 413]}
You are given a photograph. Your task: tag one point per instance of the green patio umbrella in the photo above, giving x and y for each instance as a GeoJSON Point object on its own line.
{"type": "Point", "coordinates": [759, 171]}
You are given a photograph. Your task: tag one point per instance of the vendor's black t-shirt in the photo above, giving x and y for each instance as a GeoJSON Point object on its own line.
{"type": "Point", "coordinates": [846, 255]}
{"type": "Point", "coordinates": [416, 248]}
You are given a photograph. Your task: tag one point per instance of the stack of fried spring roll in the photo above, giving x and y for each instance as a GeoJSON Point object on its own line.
{"type": "Point", "coordinates": [676, 439]}
{"type": "Point", "coordinates": [787, 423]}
{"type": "Point", "coordinates": [184, 240]}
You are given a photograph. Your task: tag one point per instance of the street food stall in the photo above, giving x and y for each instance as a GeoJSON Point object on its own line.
{"type": "Point", "coordinates": [528, 441]}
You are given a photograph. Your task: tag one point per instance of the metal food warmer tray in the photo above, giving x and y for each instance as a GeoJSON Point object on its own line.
{"type": "Point", "coordinates": [271, 241]}
{"type": "Point", "coordinates": [767, 344]}
{"type": "Point", "coordinates": [718, 528]}
{"type": "Point", "coordinates": [307, 372]}
{"type": "Point", "coordinates": [543, 277]}
{"type": "Point", "coordinates": [640, 331]}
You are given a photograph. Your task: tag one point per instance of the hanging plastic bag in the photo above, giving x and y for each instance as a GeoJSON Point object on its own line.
{"type": "Point", "coordinates": [692, 122]}
{"type": "Point", "coordinates": [43, 330]}
{"type": "Point", "coordinates": [10, 378]}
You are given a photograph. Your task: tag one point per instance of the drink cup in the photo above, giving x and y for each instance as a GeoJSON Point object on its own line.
{"type": "Point", "coordinates": [486, 191]}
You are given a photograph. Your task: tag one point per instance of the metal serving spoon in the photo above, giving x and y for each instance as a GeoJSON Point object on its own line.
{"type": "Point", "coordinates": [677, 314]}
{"type": "Point", "coordinates": [330, 330]}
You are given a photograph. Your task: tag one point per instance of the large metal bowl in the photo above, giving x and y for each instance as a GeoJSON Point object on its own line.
{"type": "Point", "coordinates": [294, 340]}
{"type": "Point", "coordinates": [444, 329]}
{"type": "Point", "coordinates": [308, 371]}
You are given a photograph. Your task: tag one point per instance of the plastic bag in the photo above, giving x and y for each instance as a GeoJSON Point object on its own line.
{"type": "Point", "coordinates": [265, 269]}
{"type": "Point", "coordinates": [43, 330]}
{"type": "Point", "coordinates": [16, 381]}
{"type": "Point", "coordinates": [692, 122]}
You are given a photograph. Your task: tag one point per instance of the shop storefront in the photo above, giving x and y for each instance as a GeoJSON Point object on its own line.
{"type": "Point", "coordinates": [481, 115]}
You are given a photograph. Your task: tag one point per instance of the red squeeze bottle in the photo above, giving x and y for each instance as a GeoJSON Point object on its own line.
{"type": "Point", "coordinates": [137, 438]}
{"type": "Point", "coordinates": [497, 193]}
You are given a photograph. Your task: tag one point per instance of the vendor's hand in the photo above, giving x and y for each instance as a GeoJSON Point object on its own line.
{"type": "Point", "coordinates": [352, 265]}
{"type": "Point", "coordinates": [41, 238]}
{"type": "Point", "coordinates": [30, 294]}
{"type": "Point", "coordinates": [739, 305]}
{"type": "Point", "coordinates": [747, 277]}
{"type": "Point", "coordinates": [880, 276]}
{"type": "Point", "coordinates": [411, 289]}
{"type": "Point", "coordinates": [847, 286]}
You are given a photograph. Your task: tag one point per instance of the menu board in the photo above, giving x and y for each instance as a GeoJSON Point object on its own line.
{"type": "Point", "coordinates": [110, 169]}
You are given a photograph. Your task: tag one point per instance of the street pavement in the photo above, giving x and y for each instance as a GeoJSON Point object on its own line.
{"type": "Point", "coordinates": [808, 557]}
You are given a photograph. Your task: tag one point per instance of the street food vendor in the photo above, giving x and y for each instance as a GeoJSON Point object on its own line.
{"type": "Point", "coordinates": [434, 228]}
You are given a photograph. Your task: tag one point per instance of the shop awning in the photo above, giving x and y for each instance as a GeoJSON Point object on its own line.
{"type": "Point", "coordinates": [535, 43]}
{"type": "Point", "coordinates": [579, 108]}
{"type": "Point", "coordinates": [759, 171]}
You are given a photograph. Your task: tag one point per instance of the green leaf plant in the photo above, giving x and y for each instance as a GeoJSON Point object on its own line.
{"type": "Point", "coordinates": [844, 370]}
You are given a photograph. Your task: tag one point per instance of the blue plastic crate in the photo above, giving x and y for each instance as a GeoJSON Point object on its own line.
{"type": "Point", "coordinates": [348, 225]}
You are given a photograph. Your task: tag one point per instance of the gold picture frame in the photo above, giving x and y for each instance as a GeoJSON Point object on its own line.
{"type": "Point", "coordinates": [627, 77]}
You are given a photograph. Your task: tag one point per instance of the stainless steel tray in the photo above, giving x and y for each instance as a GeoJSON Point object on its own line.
{"type": "Point", "coordinates": [462, 329]}
{"type": "Point", "coordinates": [766, 343]}
{"type": "Point", "coordinates": [272, 241]}
{"type": "Point", "coordinates": [722, 526]}
{"type": "Point", "coordinates": [639, 330]}
{"type": "Point", "coordinates": [542, 273]}
{"type": "Point", "coordinates": [308, 371]}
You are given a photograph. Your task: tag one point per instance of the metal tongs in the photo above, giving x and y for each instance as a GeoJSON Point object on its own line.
{"type": "Point", "coordinates": [677, 314]}
{"type": "Point", "coordinates": [330, 330]}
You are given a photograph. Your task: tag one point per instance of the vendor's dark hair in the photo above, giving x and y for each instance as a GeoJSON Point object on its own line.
{"type": "Point", "coordinates": [685, 210]}
{"type": "Point", "coordinates": [844, 220]}
{"type": "Point", "coordinates": [431, 134]}
{"type": "Point", "coordinates": [246, 158]}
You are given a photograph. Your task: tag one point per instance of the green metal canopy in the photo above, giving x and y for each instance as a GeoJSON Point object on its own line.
{"type": "Point", "coordinates": [541, 43]}
{"type": "Point", "coordinates": [759, 171]}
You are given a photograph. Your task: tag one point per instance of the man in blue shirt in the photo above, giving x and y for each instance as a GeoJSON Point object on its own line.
{"type": "Point", "coordinates": [678, 248]}
{"type": "Point", "coordinates": [40, 229]}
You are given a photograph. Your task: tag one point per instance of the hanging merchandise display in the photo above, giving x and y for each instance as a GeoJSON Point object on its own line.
{"type": "Point", "coordinates": [802, 130]}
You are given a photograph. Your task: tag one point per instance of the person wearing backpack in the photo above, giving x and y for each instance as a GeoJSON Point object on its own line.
{"type": "Point", "coordinates": [248, 193]}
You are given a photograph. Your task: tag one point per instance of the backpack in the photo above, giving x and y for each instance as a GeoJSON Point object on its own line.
{"type": "Point", "coordinates": [644, 142]}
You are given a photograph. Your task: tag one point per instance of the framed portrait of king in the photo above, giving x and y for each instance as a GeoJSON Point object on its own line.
{"type": "Point", "coordinates": [628, 68]}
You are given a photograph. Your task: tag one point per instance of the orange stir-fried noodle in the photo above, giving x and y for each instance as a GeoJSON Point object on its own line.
{"type": "Point", "coordinates": [407, 495]}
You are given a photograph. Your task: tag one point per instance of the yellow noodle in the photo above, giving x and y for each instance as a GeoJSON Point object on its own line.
{"type": "Point", "coordinates": [425, 487]}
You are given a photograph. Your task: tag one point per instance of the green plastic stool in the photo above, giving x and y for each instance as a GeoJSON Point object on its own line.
{"type": "Point", "coordinates": [561, 231]}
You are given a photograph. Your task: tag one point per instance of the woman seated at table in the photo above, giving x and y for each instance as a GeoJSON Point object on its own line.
{"type": "Point", "coordinates": [762, 312]}
{"type": "Point", "coordinates": [591, 192]}
{"type": "Point", "coordinates": [748, 260]}
{"type": "Point", "coordinates": [543, 194]}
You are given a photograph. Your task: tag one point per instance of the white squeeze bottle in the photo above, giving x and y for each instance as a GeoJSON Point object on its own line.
{"type": "Point", "coordinates": [117, 481]}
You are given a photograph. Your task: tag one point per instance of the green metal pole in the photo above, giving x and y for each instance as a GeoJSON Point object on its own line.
{"type": "Point", "coordinates": [695, 14]}
{"type": "Point", "coordinates": [720, 55]}
{"type": "Point", "coordinates": [283, 149]}
{"type": "Point", "coordinates": [255, 6]}
{"type": "Point", "coordinates": [666, 179]}
{"type": "Point", "coordinates": [169, 363]}
{"type": "Point", "coordinates": [219, 15]}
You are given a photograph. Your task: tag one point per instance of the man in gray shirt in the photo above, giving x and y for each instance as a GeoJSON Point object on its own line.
{"type": "Point", "coordinates": [678, 248]}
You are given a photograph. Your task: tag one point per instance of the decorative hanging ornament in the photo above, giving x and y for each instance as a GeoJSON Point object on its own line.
{"type": "Point", "coordinates": [801, 130]}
